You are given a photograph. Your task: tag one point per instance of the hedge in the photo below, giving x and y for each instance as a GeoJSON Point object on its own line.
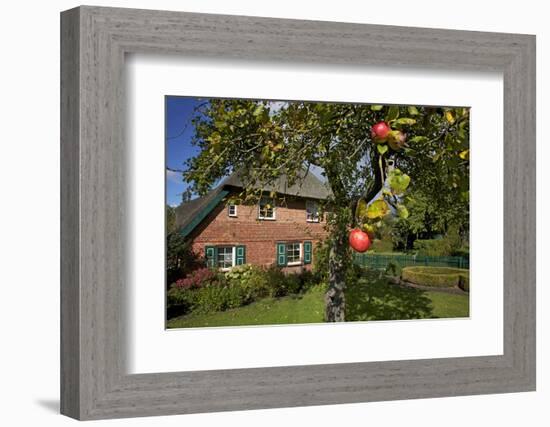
{"type": "Point", "coordinates": [432, 247]}
{"type": "Point", "coordinates": [464, 282]}
{"type": "Point", "coordinates": [437, 276]}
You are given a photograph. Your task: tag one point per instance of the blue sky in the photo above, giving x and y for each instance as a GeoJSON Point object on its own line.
{"type": "Point", "coordinates": [179, 132]}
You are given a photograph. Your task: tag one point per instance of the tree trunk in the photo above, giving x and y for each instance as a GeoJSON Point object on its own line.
{"type": "Point", "coordinates": [335, 301]}
{"type": "Point", "coordinates": [342, 218]}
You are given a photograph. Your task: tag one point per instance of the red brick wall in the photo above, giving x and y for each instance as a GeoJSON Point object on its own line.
{"type": "Point", "coordinates": [259, 236]}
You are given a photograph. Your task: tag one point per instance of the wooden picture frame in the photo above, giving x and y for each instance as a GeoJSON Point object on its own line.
{"type": "Point", "coordinates": [94, 41]}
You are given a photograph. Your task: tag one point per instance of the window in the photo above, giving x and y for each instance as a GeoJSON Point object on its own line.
{"type": "Point", "coordinates": [267, 208]}
{"type": "Point", "coordinates": [225, 257]}
{"type": "Point", "coordinates": [293, 253]}
{"type": "Point", "coordinates": [312, 211]}
{"type": "Point", "coordinates": [232, 210]}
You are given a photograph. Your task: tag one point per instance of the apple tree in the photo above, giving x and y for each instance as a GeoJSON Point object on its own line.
{"type": "Point", "coordinates": [368, 154]}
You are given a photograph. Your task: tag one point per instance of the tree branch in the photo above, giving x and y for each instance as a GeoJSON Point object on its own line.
{"type": "Point", "coordinates": [379, 164]}
{"type": "Point", "coordinates": [202, 104]}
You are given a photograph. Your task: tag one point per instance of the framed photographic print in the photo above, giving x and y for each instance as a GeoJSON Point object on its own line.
{"type": "Point", "coordinates": [262, 213]}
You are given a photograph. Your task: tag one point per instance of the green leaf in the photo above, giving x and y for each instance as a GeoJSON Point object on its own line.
{"type": "Point", "coordinates": [369, 229]}
{"type": "Point", "coordinates": [361, 209]}
{"type": "Point", "coordinates": [377, 209]}
{"type": "Point", "coordinates": [405, 121]}
{"type": "Point", "coordinates": [259, 109]}
{"type": "Point", "coordinates": [376, 107]}
{"type": "Point", "coordinates": [393, 113]}
{"type": "Point", "coordinates": [413, 111]}
{"type": "Point", "coordinates": [417, 139]}
{"type": "Point", "coordinates": [436, 157]}
{"type": "Point", "coordinates": [214, 138]}
{"type": "Point", "coordinates": [382, 148]}
{"type": "Point", "coordinates": [398, 181]}
{"type": "Point", "coordinates": [402, 211]}
{"type": "Point", "coordinates": [220, 124]}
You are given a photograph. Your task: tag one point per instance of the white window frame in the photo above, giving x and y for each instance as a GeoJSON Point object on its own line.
{"type": "Point", "coordinates": [274, 209]}
{"type": "Point", "coordinates": [234, 214]}
{"type": "Point", "coordinates": [314, 203]}
{"type": "Point", "coordinates": [301, 250]}
{"type": "Point", "coordinates": [233, 257]}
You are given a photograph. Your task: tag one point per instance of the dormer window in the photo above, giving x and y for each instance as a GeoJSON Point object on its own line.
{"type": "Point", "coordinates": [266, 208]}
{"type": "Point", "coordinates": [312, 211]}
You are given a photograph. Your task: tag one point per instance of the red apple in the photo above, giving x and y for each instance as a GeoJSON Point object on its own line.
{"type": "Point", "coordinates": [380, 131]}
{"type": "Point", "coordinates": [359, 240]}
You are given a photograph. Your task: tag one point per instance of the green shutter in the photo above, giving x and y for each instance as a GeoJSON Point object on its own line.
{"type": "Point", "coordinates": [211, 256]}
{"type": "Point", "coordinates": [241, 255]}
{"type": "Point", "coordinates": [307, 252]}
{"type": "Point", "coordinates": [281, 254]}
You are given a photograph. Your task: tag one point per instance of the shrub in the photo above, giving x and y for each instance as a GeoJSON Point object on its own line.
{"type": "Point", "coordinates": [464, 282]}
{"type": "Point", "coordinates": [214, 296]}
{"type": "Point", "coordinates": [276, 281]}
{"type": "Point", "coordinates": [217, 298]}
{"type": "Point", "coordinates": [198, 279]}
{"type": "Point", "coordinates": [448, 245]}
{"type": "Point", "coordinates": [183, 296]}
{"type": "Point", "coordinates": [180, 258]}
{"type": "Point", "coordinates": [381, 246]}
{"type": "Point", "coordinates": [309, 279]}
{"type": "Point", "coordinates": [251, 279]}
{"type": "Point", "coordinates": [432, 247]}
{"type": "Point", "coordinates": [435, 276]}
{"type": "Point", "coordinates": [293, 283]}
{"type": "Point", "coordinates": [179, 301]}
{"type": "Point", "coordinates": [463, 252]}
{"type": "Point", "coordinates": [205, 291]}
{"type": "Point", "coordinates": [259, 282]}
{"type": "Point", "coordinates": [241, 272]}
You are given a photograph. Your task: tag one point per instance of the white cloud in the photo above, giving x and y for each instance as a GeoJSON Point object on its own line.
{"type": "Point", "coordinates": [174, 176]}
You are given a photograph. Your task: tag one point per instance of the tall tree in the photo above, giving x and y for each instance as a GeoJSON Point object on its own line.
{"type": "Point", "coordinates": [365, 152]}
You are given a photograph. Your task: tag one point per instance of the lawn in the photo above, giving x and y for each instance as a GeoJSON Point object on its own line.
{"type": "Point", "coordinates": [371, 298]}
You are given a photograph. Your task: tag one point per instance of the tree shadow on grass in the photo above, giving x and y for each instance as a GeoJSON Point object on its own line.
{"type": "Point", "coordinates": [373, 297]}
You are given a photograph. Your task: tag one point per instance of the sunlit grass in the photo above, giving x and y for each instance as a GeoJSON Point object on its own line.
{"type": "Point", "coordinates": [371, 298]}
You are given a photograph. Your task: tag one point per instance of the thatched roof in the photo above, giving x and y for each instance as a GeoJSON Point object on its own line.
{"type": "Point", "coordinates": [307, 186]}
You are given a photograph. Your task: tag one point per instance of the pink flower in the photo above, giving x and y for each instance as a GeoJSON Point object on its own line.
{"type": "Point", "coordinates": [196, 279]}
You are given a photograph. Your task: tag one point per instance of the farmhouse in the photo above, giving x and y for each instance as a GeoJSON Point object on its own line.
{"type": "Point", "coordinates": [281, 230]}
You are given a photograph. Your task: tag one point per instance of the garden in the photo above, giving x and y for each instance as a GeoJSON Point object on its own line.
{"type": "Point", "coordinates": [252, 295]}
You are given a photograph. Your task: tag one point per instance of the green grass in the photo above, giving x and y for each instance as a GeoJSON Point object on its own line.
{"type": "Point", "coordinates": [370, 298]}
{"type": "Point", "coordinates": [449, 305]}
{"type": "Point", "coordinates": [307, 308]}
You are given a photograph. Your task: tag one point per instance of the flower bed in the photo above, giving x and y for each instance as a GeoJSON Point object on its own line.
{"type": "Point", "coordinates": [205, 290]}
